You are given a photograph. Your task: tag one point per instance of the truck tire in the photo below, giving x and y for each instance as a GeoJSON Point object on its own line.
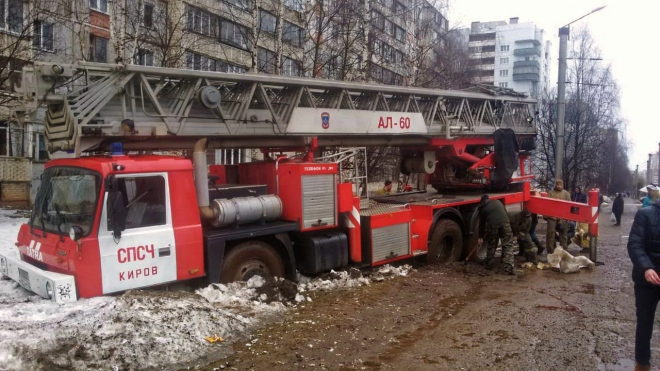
{"type": "Point", "coordinates": [251, 258]}
{"type": "Point", "coordinates": [446, 242]}
{"type": "Point", "coordinates": [469, 244]}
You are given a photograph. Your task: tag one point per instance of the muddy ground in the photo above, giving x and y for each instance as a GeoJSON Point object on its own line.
{"type": "Point", "coordinates": [462, 317]}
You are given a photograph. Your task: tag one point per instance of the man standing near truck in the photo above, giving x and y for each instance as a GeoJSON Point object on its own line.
{"type": "Point", "coordinates": [496, 224]}
{"type": "Point", "coordinates": [521, 223]}
{"type": "Point", "coordinates": [555, 224]}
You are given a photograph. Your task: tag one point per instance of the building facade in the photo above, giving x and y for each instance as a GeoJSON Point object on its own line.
{"type": "Point", "coordinates": [510, 55]}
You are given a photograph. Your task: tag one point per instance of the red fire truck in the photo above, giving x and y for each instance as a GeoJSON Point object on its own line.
{"type": "Point", "coordinates": [105, 222]}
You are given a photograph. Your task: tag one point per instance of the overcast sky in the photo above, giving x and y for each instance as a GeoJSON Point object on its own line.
{"type": "Point", "coordinates": [625, 31]}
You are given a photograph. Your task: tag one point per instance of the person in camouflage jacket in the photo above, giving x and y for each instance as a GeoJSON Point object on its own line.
{"type": "Point", "coordinates": [555, 224]}
{"type": "Point", "coordinates": [521, 223]}
{"type": "Point", "coordinates": [495, 221]}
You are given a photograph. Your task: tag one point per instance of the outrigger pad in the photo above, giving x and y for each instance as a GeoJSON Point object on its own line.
{"type": "Point", "coordinates": [506, 157]}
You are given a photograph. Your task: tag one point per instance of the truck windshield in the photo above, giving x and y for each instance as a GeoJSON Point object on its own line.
{"type": "Point", "coordinates": [67, 197]}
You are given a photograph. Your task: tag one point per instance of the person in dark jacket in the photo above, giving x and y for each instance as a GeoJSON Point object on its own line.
{"type": "Point", "coordinates": [617, 208]}
{"type": "Point", "coordinates": [496, 224]}
{"type": "Point", "coordinates": [578, 196]}
{"type": "Point", "coordinates": [644, 252]}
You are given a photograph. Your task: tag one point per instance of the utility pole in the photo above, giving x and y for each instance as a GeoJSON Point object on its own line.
{"type": "Point", "coordinates": [561, 95]}
{"type": "Point", "coordinates": [635, 182]}
{"type": "Point", "coordinates": [648, 170]}
{"type": "Point", "coordinates": [561, 102]}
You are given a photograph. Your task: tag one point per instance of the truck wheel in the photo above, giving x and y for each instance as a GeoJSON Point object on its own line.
{"type": "Point", "coordinates": [249, 259]}
{"type": "Point", "coordinates": [446, 242]}
{"type": "Point", "coordinates": [469, 244]}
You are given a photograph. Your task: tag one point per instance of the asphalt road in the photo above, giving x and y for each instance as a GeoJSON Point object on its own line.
{"type": "Point", "coordinates": [462, 317]}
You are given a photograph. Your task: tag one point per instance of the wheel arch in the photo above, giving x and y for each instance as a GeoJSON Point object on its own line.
{"type": "Point", "coordinates": [446, 213]}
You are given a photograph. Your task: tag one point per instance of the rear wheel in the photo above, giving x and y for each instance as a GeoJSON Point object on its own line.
{"type": "Point", "coordinates": [446, 242]}
{"type": "Point", "coordinates": [470, 243]}
{"type": "Point", "coordinates": [249, 259]}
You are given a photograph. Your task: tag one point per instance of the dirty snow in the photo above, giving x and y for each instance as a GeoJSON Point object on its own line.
{"type": "Point", "coordinates": [141, 329]}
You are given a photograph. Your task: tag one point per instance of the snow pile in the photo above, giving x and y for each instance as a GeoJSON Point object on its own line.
{"type": "Point", "coordinates": [145, 329]}
{"type": "Point", "coordinates": [351, 278]}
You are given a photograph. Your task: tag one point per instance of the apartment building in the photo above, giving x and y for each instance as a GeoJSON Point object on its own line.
{"type": "Point", "coordinates": [510, 55]}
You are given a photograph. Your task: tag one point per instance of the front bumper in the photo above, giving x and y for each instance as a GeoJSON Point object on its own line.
{"type": "Point", "coordinates": [58, 287]}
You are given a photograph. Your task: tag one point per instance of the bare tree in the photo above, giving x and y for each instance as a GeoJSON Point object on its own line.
{"type": "Point", "coordinates": [592, 123]}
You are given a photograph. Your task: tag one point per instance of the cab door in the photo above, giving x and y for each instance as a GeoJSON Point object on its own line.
{"type": "Point", "coordinates": [145, 253]}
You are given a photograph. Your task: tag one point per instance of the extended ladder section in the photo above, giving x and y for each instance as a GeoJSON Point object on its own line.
{"type": "Point", "coordinates": [91, 105]}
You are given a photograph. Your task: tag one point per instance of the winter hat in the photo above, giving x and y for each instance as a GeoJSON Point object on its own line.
{"type": "Point", "coordinates": [559, 182]}
{"type": "Point", "coordinates": [525, 213]}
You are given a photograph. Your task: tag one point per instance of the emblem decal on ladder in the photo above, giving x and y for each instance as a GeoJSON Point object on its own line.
{"type": "Point", "coordinates": [325, 120]}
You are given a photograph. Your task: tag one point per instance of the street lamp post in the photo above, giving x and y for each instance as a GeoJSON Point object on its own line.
{"type": "Point", "coordinates": [564, 32]}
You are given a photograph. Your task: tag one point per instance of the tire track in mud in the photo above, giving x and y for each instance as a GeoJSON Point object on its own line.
{"type": "Point", "coordinates": [449, 307]}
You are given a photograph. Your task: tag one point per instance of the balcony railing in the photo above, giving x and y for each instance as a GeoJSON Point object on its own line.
{"type": "Point", "coordinates": [530, 63]}
{"type": "Point", "coordinates": [523, 52]}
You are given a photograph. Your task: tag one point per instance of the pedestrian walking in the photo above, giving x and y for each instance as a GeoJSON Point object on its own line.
{"type": "Point", "coordinates": [555, 224]}
{"type": "Point", "coordinates": [644, 251]}
{"type": "Point", "coordinates": [496, 224]}
{"type": "Point", "coordinates": [617, 208]}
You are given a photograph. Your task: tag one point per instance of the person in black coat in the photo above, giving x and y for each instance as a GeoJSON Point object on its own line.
{"type": "Point", "coordinates": [644, 252]}
{"type": "Point", "coordinates": [617, 208]}
{"type": "Point", "coordinates": [578, 196]}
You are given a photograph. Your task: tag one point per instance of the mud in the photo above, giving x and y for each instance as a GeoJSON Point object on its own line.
{"type": "Point", "coordinates": [462, 317]}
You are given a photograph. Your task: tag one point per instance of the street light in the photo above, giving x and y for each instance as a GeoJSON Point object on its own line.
{"type": "Point", "coordinates": [561, 95]}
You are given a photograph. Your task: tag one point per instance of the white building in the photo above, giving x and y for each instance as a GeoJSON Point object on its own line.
{"type": "Point", "coordinates": [510, 55]}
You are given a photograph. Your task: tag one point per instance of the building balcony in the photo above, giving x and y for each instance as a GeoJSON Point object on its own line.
{"type": "Point", "coordinates": [530, 63]}
{"type": "Point", "coordinates": [533, 41]}
{"type": "Point", "coordinates": [534, 77]}
{"type": "Point", "coordinates": [524, 52]}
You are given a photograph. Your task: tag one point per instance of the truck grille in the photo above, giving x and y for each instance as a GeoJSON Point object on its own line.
{"type": "Point", "coordinates": [318, 196]}
{"type": "Point", "coordinates": [24, 279]}
{"type": "Point", "coordinates": [390, 242]}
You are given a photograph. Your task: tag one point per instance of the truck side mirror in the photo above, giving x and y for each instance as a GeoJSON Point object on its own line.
{"type": "Point", "coordinates": [116, 213]}
{"type": "Point", "coordinates": [116, 207]}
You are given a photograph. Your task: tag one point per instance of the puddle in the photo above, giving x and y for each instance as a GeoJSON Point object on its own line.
{"type": "Point", "coordinates": [552, 307]}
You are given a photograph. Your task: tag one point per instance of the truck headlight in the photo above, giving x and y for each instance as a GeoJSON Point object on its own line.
{"type": "Point", "coordinates": [3, 265]}
{"type": "Point", "coordinates": [49, 290]}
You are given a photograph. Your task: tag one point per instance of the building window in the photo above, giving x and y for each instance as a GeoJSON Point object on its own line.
{"type": "Point", "coordinates": [504, 48]}
{"type": "Point", "coordinates": [101, 5]}
{"type": "Point", "coordinates": [148, 15]}
{"type": "Point", "coordinates": [400, 34]}
{"type": "Point", "coordinates": [42, 36]}
{"type": "Point", "coordinates": [504, 73]}
{"type": "Point", "coordinates": [292, 34]}
{"type": "Point", "coordinates": [199, 21]}
{"type": "Point", "coordinates": [294, 5]}
{"type": "Point", "coordinates": [228, 67]}
{"type": "Point", "coordinates": [400, 9]}
{"type": "Point", "coordinates": [504, 60]}
{"type": "Point", "coordinates": [267, 22]}
{"type": "Point", "coordinates": [389, 27]}
{"type": "Point", "coordinates": [290, 67]}
{"type": "Point", "coordinates": [241, 4]}
{"type": "Point", "coordinates": [98, 49]}
{"type": "Point", "coordinates": [504, 84]}
{"type": "Point", "coordinates": [377, 20]}
{"type": "Point", "coordinates": [384, 75]}
{"type": "Point", "coordinates": [199, 62]}
{"type": "Point", "coordinates": [11, 15]}
{"type": "Point", "coordinates": [144, 57]}
{"type": "Point", "coordinates": [234, 34]}
{"type": "Point", "coordinates": [265, 60]}
{"type": "Point", "coordinates": [40, 153]}
{"type": "Point", "coordinates": [377, 47]}
{"type": "Point", "coordinates": [388, 53]}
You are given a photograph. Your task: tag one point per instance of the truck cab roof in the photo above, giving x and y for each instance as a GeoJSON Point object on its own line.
{"type": "Point", "coordinates": [130, 163]}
